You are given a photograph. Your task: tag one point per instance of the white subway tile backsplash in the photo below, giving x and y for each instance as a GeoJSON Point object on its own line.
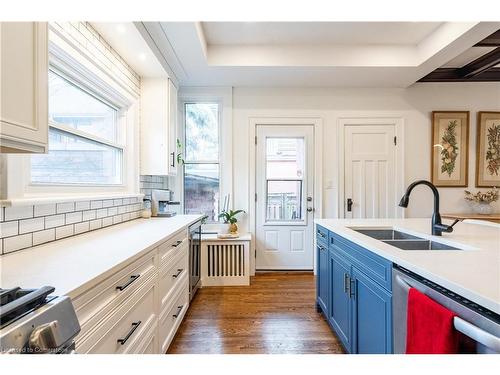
{"type": "Point", "coordinates": [107, 203]}
{"type": "Point", "coordinates": [107, 221]}
{"type": "Point", "coordinates": [117, 219]}
{"type": "Point", "coordinates": [82, 227]}
{"type": "Point", "coordinates": [54, 221]}
{"type": "Point", "coordinates": [18, 212]}
{"type": "Point", "coordinates": [1, 214]}
{"type": "Point", "coordinates": [126, 217]}
{"type": "Point", "coordinates": [80, 206]}
{"type": "Point", "coordinates": [31, 225]}
{"type": "Point", "coordinates": [45, 209]}
{"type": "Point", "coordinates": [73, 217]}
{"type": "Point", "coordinates": [8, 229]}
{"type": "Point", "coordinates": [17, 242]}
{"type": "Point", "coordinates": [112, 211]}
{"type": "Point", "coordinates": [126, 201]}
{"type": "Point", "coordinates": [66, 231]}
{"type": "Point", "coordinates": [95, 224]}
{"type": "Point", "coordinates": [89, 215]}
{"type": "Point", "coordinates": [117, 202]}
{"type": "Point", "coordinates": [122, 209]}
{"type": "Point", "coordinates": [44, 236]}
{"type": "Point", "coordinates": [65, 207]}
{"type": "Point", "coordinates": [103, 212]}
{"type": "Point", "coordinates": [95, 204]}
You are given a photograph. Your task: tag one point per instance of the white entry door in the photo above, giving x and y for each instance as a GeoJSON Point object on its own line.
{"type": "Point", "coordinates": [284, 207]}
{"type": "Point", "coordinates": [370, 178]}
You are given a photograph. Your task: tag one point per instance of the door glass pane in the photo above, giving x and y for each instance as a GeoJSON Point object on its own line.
{"type": "Point", "coordinates": [284, 200]}
{"type": "Point", "coordinates": [71, 106]}
{"type": "Point", "coordinates": [202, 132]}
{"type": "Point", "coordinates": [201, 190]}
{"type": "Point", "coordinates": [284, 179]}
{"type": "Point", "coordinates": [75, 160]}
{"type": "Point", "coordinates": [285, 158]}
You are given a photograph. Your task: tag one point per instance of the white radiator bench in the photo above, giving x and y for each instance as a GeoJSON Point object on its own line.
{"type": "Point", "coordinates": [225, 262]}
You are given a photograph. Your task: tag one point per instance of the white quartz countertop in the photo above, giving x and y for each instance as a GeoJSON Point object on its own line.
{"type": "Point", "coordinates": [75, 264]}
{"type": "Point", "coordinates": [473, 273]}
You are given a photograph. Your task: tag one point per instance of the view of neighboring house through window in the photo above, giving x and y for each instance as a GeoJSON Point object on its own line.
{"type": "Point", "coordinates": [84, 146]}
{"type": "Point", "coordinates": [201, 163]}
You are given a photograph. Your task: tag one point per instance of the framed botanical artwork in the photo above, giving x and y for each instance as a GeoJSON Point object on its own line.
{"type": "Point", "coordinates": [488, 149]}
{"type": "Point", "coordinates": [450, 148]}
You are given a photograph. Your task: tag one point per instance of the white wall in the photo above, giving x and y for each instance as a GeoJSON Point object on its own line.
{"type": "Point", "coordinates": [414, 105]}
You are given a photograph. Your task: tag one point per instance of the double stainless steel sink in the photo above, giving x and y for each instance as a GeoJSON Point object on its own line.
{"type": "Point", "coordinates": [403, 241]}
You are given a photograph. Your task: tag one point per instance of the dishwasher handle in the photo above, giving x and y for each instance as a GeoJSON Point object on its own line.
{"type": "Point", "coordinates": [477, 334]}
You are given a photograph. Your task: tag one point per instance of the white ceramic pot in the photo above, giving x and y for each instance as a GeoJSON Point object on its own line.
{"type": "Point", "coordinates": [224, 228]}
{"type": "Point", "coordinates": [482, 208]}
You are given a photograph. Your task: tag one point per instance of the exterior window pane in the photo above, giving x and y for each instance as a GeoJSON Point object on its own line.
{"type": "Point", "coordinates": [202, 132]}
{"type": "Point", "coordinates": [285, 158]}
{"type": "Point", "coordinates": [284, 200]}
{"type": "Point", "coordinates": [76, 160]}
{"type": "Point", "coordinates": [201, 190]}
{"type": "Point", "coordinates": [71, 106]}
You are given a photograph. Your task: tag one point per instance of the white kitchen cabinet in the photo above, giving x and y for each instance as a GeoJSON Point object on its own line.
{"type": "Point", "coordinates": [23, 87]}
{"type": "Point", "coordinates": [158, 127]}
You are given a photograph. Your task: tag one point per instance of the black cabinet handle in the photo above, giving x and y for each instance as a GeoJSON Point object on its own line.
{"type": "Point", "coordinates": [352, 288]}
{"type": "Point", "coordinates": [177, 243]}
{"type": "Point", "coordinates": [127, 284]}
{"type": "Point", "coordinates": [321, 248]}
{"type": "Point", "coordinates": [179, 271]}
{"type": "Point", "coordinates": [321, 234]}
{"type": "Point", "coordinates": [178, 311]}
{"type": "Point", "coordinates": [346, 283]}
{"type": "Point", "coordinates": [173, 159]}
{"type": "Point", "coordinates": [349, 204]}
{"type": "Point", "coordinates": [135, 325]}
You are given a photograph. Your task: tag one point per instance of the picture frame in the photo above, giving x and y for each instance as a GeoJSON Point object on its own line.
{"type": "Point", "coordinates": [488, 149]}
{"type": "Point", "coordinates": [450, 148]}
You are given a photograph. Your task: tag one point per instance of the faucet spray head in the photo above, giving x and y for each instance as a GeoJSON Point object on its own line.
{"type": "Point", "coordinates": [404, 201]}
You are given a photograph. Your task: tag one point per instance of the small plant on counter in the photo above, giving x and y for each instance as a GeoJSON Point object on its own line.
{"type": "Point", "coordinates": [488, 197]}
{"type": "Point", "coordinates": [229, 217]}
{"type": "Point", "coordinates": [180, 159]}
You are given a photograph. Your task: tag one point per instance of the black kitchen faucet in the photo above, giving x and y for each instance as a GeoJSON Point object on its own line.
{"type": "Point", "coordinates": [437, 226]}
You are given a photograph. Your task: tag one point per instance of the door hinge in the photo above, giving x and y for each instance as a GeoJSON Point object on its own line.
{"type": "Point", "coordinates": [255, 139]}
{"type": "Point", "coordinates": [256, 197]}
{"type": "Point", "coordinates": [255, 252]}
{"type": "Point", "coordinates": [395, 141]}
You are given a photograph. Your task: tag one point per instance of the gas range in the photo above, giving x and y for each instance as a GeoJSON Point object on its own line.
{"type": "Point", "coordinates": [33, 321]}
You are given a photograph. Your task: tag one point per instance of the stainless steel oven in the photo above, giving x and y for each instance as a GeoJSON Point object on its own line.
{"type": "Point", "coordinates": [481, 325]}
{"type": "Point", "coordinates": [194, 236]}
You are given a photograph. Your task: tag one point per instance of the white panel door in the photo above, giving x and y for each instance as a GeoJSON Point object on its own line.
{"type": "Point", "coordinates": [369, 171]}
{"type": "Point", "coordinates": [284, 208]}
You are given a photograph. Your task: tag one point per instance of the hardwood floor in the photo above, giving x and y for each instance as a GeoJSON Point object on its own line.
{"type": "Point", "coordinates": [276, 314]}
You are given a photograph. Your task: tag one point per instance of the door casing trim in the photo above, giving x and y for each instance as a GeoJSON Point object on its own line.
{"type": "Point", "coordinates": [317, 124]}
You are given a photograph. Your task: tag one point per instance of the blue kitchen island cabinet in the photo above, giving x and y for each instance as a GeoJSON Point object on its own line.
{"type": "Point", "coordinates": [359, 302]}
{"type": "Point", "coordinates": [322, 284]}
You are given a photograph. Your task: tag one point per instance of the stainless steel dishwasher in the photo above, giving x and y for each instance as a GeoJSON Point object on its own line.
{"type": "Point", "coordinates": [479, 324]}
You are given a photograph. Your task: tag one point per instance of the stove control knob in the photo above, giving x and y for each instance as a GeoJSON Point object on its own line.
{"type": "Point", "coordinates": [45, 338]}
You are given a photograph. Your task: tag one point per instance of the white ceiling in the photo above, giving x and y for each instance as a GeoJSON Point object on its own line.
{"type": "Point", "coordinates": [317, 33]}
{"type": "Point", "coordinates": [293, 54]}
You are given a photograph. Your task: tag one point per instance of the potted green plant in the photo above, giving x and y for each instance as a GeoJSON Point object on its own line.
{"type": "Point", "coordinates": [229, 218]}
{"type": "Point", "coordinates": [481, 202]}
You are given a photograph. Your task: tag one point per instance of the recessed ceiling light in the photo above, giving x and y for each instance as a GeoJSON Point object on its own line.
{"type": "Point", "coordinates": [142, 56]}
{"type": "Point", "coordinates": [120, 28]}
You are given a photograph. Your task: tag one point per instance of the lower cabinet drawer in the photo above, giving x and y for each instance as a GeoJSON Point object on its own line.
{"type": "Point", "coordinates": [122, 331]}
{"type": "Point", "coordinates": [171, 276]}
{"type": "Point", "coordinates": [93, 306]}
{"type": "Point", "coordinates": [170, 247]}
{"type": "Point", "coordinates": [171, 316]}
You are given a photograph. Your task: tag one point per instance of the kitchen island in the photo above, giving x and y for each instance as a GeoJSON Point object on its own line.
{"type": "Point", "coordinates": [358, 290]}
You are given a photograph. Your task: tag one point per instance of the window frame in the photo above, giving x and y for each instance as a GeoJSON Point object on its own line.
{"type": "Point", "coordinates": [121, 134]}
{"type": "Point", "coordinates": [219, 152]}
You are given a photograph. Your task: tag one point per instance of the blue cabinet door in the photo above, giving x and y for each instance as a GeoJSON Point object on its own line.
{"type": "Point", "coordinates": [340, 305]}
{"type": "Point", "coordinates": [371, 315]}
{"type": "Point", "coordinates": [323, 278]}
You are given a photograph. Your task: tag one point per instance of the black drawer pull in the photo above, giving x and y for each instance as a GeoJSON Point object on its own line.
{"type": "Point", "coordinates": [130, 333]}
{"type": "Point", "coordinates": [127, 284]}
{"type": "Point", "coordinates": [321, 234]}
{"type": "Point", "coordinates": [178, 311]}
{"type": "Point", "coordinates": [177, 243]}
{"type": "Point", "coordinates": [179, 271]}
{"type": "Point", "coordinates": [321, 248]}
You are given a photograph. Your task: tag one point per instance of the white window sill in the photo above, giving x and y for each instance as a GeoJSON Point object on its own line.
{"type": "Point", "coordinates": [34, 200]}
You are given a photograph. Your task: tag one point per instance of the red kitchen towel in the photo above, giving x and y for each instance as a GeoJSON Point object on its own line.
{"type": "Point", "coordinates": [430, 327]}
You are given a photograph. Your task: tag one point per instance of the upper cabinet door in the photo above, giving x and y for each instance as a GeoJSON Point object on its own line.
{"type": "Point", "coordinates": [173, 124]}
{"type": "Point", "coordinates": [24, 87]}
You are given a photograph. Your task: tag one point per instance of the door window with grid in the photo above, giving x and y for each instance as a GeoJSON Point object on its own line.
{"type": "Point", "coordinates": [84, 138]}
{"type": "Point", "coordinates": [201, 161]}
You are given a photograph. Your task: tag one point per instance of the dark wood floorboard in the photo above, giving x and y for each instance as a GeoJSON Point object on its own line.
{"type": "Point", "coordinates": [276, 314]}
